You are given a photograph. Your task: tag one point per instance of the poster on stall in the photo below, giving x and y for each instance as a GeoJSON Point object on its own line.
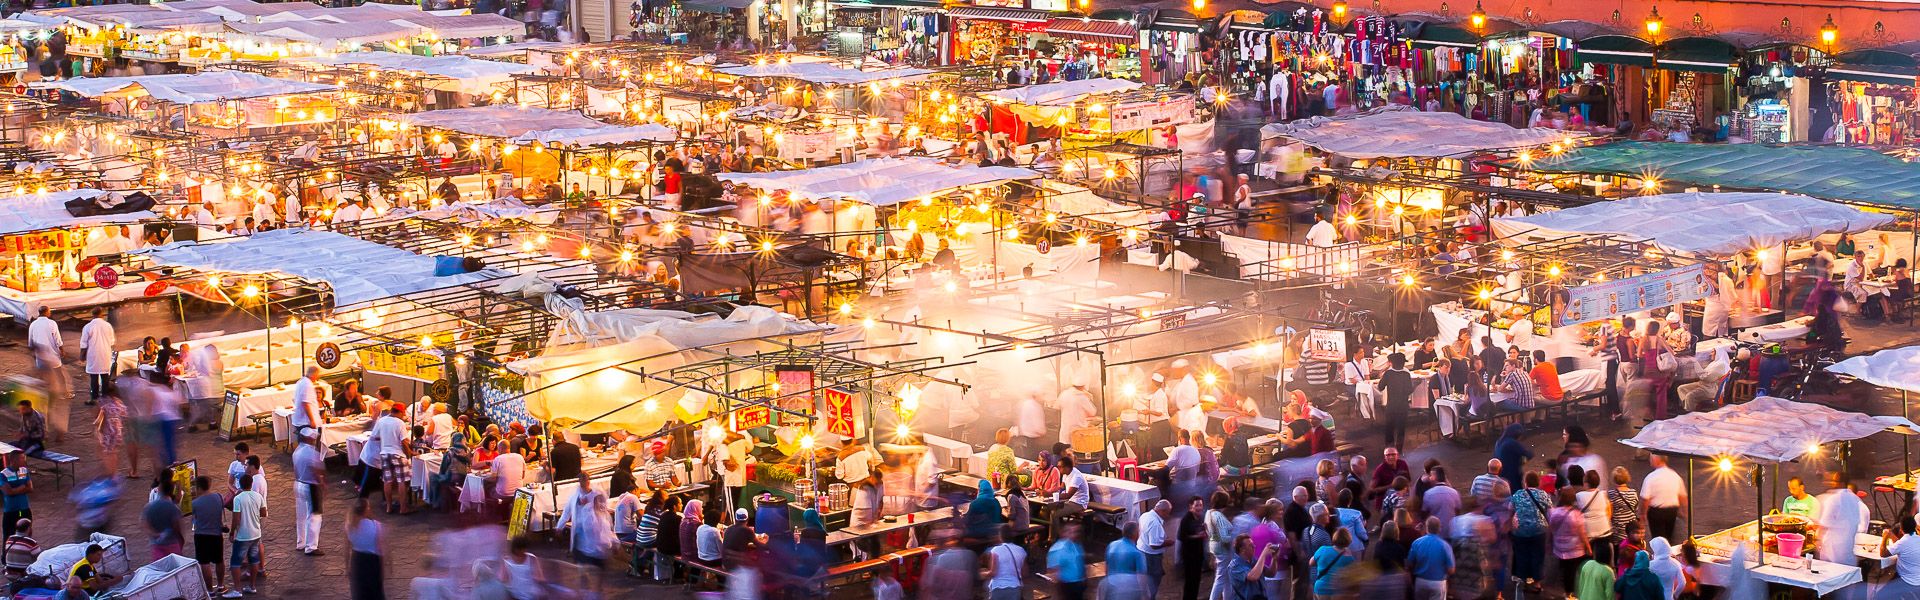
{"type": "Point", "coordinates": [818, 145]}
{"type": "Point", "coordinates": [1143, 115]}
{"type": "Point", "coordinates": [749, 417]}
{"type": "Point", "coordinates": [419, 366]}
{"type": "Point", "coordinates": [839, 412]}
{"type": "Point", "coordinates": [1329, 345]}
{"type": "Point", "coordinates": [1609, 299]}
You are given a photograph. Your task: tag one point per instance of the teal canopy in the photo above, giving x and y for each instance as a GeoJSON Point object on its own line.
{"type": "Point", "coordinates": [1825, 172]}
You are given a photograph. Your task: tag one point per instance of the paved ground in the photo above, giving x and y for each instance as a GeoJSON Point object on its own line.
{"type": "Point", "coordinates": [1720, 501]}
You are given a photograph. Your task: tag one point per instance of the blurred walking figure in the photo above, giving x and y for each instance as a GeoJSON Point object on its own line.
{"type": "Point", "coordinates": [43, 342]}
{"type": "Point", "coordinates": [367, 564]}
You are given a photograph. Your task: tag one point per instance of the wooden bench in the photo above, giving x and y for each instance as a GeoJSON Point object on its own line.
{"type": "Point", "coordinates": [61, 465]}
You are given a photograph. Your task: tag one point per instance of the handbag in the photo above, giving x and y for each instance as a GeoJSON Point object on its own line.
{"type": "Point", "coordinates": [1665, 361]}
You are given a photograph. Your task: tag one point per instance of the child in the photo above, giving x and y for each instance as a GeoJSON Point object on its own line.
{"type": "Point", "coordinates": [1635, 541]}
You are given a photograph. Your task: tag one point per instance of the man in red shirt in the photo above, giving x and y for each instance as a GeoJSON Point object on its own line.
{"type": "Point", "coordinates": [1546, 377]}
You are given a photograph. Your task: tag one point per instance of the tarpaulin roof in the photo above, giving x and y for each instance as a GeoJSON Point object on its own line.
{"type": "Point", "coordinates": [1397, 131]}
{"type": "Point", "coordinates": [327, 32]}
{"type": "Point", "coordinates": [1828, 172]}
{"type": "Point", "coordinates": [818, 72]}
{"type": "Point", "coordinates": [518, 47]}
{"type": "Point", "coordinates": [530, 124]}
{"type": "Point", "coordinates": [879, 181]}
{"type": "Point", "coordinates": [195, 88]}
{"type": "Point", "coordinates": [1766, 429]}
{"type": "Point", "coordinates": [358, 271]}
{"type": "Point", "coordinates": [236, 10]}
{"type": "Point", "coordinates": [40, 212]}
{"type": "Point", "coordinates": [1703, 223]}
{"type": "Point", "coordinates": [1060, 93]}
{"type": "Point", "coordinates": [1897, 368]}
{"type": "Point", "coordinates": [474, 75]}
{"type": "Point", "coordinates": [1099, 31]}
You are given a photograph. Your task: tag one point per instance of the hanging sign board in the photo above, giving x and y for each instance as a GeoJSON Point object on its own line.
{"type": "Point", "coordinates": [1609, 299]}
{"type": "Point", "coordinates": [522, 516]}
{"type": "Point", "coordinates": [1328, 345]}
{"type": "Point", "coordinates": [796, 387]}
{"type": "Point", "coordinates": [818, 145]}
{"type": "Point", "coordinates": [106, 277]}
{"type": "Point", "coordinates": [1144, 115]}
{"type": "Point", "coordinates": [749, 417]}
{"type": "Point", "coordinates": [839, 411]}
{"type": "Point", "coordinates": [418, 366]}
{"type": "Point", "coordinates": [327, 355]}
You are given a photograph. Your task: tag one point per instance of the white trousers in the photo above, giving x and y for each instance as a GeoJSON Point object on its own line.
{"type": "Point", "coordinates": [306, 521]}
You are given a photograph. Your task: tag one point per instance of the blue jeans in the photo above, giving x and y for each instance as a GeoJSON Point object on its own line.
{"type": "Point", "coordinates": [168, 430]}
{"type": "Point", "coordinates": [1510, 405]}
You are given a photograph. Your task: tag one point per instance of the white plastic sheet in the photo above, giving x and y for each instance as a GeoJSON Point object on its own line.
{"type": "Point", "coordinates": [528, 125]}
{"type": "Point", "coordinates": [819, 72]}
{"type": "Point", "coordinates": [1766, 429]}
{"type": "Point", "coordinates": [1897, 368]}
{"type": "Point", "coordinates": [879, 181]}
{"type": "Point", "coordinates": [327, 33]}
{"type": "Point", "coordinates": [1398, 131]}
{"type": "Point", "coordinates": [1715, 224]}
{"type": "Point", "coordinates": [40, 212]}
{"type": "Point", "coordinates": [358, 271]}
{"type": "Point", "coordinates": [474, 76]}
{"type": "Point", "coordinates": [1061, 92]}
{"type": "Point", "coordinates": [194, 88]}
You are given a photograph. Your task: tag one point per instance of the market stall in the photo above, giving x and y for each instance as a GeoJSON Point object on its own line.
{"type": "Point", "coordinates": [1751, 433]}
{"type": "Point", "coordinates": [46, 238]}
{"type": "Point", "coordinates": [217, 102]}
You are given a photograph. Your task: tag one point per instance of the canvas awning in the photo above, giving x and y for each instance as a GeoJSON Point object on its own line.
{"type": "Point", "coordinates": [327, 34]}
{"type": "Point", "coordinates": [1897, 368]}
{"type": "Point", "coordinates": [1826, 172]}
{"type": "Point", "coordinates": [1766, 429]}
{"type": "Point", "coordinates": [1098, 31]}
{"type": "Point", "coordinates": [1698, 54]}
{"type": "Point", "coordinates": [1167, 19]}
{"type": "Point", "coordinates": [358, 271]}
{"type": "Point", "coordinates": [993, 13]}
{"type": "Point", "coordinates": [1875, 66]}
{"type": "Point", "coordinates": [195, 88]}
{"type": "Point", "coordinates": [1397, 131]}
{"type": "Point", "coordinates": [1700, 223]}
{"type": "Point", "coordinates": [879, 181]}
{"type": "Point", "coordinates": [715, 6]}
{"type": "Point", "coordinates": [1615, 50]}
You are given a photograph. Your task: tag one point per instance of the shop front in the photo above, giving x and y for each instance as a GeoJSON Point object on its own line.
{"type": "Point", "coordinates": [1615, 68]}
{"type": "Point", "coordinates": [1108, 45]}
{"type": "Point", "coordinates": [991, 35]}
{"type": "Point", "coordinates": [1172, 48]}
{"type": "Point", "coordinates": [1777, 95]}
{"type": "Point", "coordinates": [1691, 86]}
{"type": "Point", "coordinates": [1871, 96]}
{"type": "Point", "coordinates": [882, 28]}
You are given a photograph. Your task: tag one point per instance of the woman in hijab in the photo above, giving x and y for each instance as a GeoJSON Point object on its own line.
{"type": "Point", "coordinates": [1668, 569]}
{"type": "Point", "coordinates": [811, 520]}
{"type": "Point", "coordinates": [690, 522]}
{"type": "Point", "coordinates": [983, 514]}
{"type": "Point", "coordinates": [1639, 583]}
{"type": "Point", "coordinates": [812, 557]}
{"type": "Point", "coordinates": [1513, 455]}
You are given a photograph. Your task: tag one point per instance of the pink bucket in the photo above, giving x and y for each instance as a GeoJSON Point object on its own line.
{"type": "Point", "coordinates": [1790, 543]}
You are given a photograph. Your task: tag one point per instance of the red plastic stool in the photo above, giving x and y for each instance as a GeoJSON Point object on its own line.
{"type": "Point", "coordinates": [1127, 468]}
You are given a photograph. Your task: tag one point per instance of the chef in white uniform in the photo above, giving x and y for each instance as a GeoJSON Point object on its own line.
{"type": "Point", "coordinates": [1182, 390]}
{"type": "Point", "coordinates": [96, 347]}
{"type": "Point", "coordinates": [1077, 410]}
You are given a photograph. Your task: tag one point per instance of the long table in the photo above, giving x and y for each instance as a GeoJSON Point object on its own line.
{"type": "Point", "coordinates": [1132, 496]}
{"type": "Point", "coordinates": [1818, 575]}
{"type": "Point", "coordinates": [850, 534]}
{"type": "Point", "coordinates": [331, 434]}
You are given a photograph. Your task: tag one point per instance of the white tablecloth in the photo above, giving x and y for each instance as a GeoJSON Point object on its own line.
{"type": "Point", "coordinates": [1135, 497]}
{"type": "Point", "coordinates": [255, 375]}
{"type": "Point", "coordinates": [355, 443]}
{"type": "Point", "coordinates": [330, 434]}
{"type": "Point", "coordinates": [1777, 332]}
{"type": "Point", "coordinates": [1574, 383]}
{"type": "Point", "coordinates": [263, 400]}
{"type": "Point", "coordinates": [1714, 570]}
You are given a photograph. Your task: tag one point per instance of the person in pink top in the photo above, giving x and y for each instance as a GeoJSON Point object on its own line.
{"type": "Point", "coordinates": [1567, 533]}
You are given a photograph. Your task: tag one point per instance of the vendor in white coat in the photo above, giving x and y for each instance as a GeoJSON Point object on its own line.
{"type": "Point", "coordinates": [1077, 410]}
{"type": "Point", "coordinates": [96, 347]}
{"type": "Point", "coordinates": [1029, 424]}
{"type": "Point", "coordinates": [43, 343]}
{"type": "Point", "coordinates": [1842, 515]}
{"type": "Point", "coordinates": [205, 389]}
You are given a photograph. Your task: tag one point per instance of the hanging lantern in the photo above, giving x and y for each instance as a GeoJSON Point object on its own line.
{"type": "Point", "coordinates": [1829, 33]}
{"type": "Point", "coordinates": [1654, 22]}
{"type": "Point", "coordinates": [1478, 18]}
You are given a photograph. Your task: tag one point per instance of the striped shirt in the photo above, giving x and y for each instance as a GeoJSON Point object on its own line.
{"type": "Point", "coordinates": [649, 530]}
{"type": "Point", "coordinates": [660, 474]}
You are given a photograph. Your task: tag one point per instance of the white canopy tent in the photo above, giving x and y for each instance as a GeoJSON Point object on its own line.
{"type": "Point", "coordinates": [880, 181]}
{"type": "Point", "coordinates": [469, 76]}
{"type": "Point", "coordinates": [517, 48]}
{"type": "Point", "coordinates": [1896, 368]}
{"type": "Point", "coordinates": [240, 11]}
{"type": "Point", "coordinates": [358, 271]}
{"type": "Point", "coordinates": [195, 88]}
{"type": "Point", "coordinates": [1767, 429]}
{"type": "Point", "coordinates": [1060, 93]}
{"type": "Point", "coordinates": [41, 212]}
{"type": "Point", "coordinates": [819, 72]}
{"type": "Point", "coordinates": [529, 124]}
{"type": "Point", "coordinates": [325, 34]}
{"type": "Point", "coordinates": [1715, 224]}
{"type": "Point", "coordinates": [1399, 132]}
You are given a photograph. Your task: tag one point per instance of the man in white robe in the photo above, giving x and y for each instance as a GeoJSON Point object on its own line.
{"type": "Point", "coordinates": [43, 343]}
{"type": "Point", "coordinates": [1029, 424]}
{"type": "Point", "coordinates": [1842, 515]}
{"type": "Point", "coordinates": [96, 348]}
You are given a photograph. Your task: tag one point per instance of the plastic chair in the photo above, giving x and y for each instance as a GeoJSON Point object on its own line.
{"type": "Point", "coordinates": [1127, 468]}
